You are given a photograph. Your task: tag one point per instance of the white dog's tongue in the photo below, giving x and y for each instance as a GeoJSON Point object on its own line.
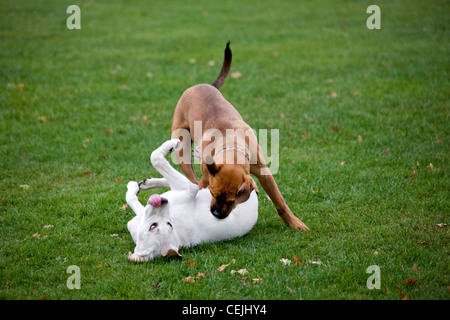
{"type": "Point", "coordinates": [155, 200]}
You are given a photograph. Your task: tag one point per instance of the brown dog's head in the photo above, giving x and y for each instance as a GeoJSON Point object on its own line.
{"type": "Point", "coordinates": [229, 184]}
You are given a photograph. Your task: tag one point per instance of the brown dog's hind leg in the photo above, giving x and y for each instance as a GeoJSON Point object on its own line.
{"type": "Point", "coordinates": [269, 185]}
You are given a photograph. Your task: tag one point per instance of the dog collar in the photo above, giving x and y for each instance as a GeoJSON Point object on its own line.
{"type": "Point", "coordinates": [234, 148]}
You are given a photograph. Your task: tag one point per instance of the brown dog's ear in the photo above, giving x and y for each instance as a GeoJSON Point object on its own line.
{"type": "Point", "coordinates": [213, 168]}
{"type": "Point", "coordinates": [245, 190]}
{"type": "Point", "coordinates": [203, 183]}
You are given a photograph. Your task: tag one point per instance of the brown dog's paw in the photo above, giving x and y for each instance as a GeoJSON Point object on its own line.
{"type": "Point", "coordinates": [296, 223]}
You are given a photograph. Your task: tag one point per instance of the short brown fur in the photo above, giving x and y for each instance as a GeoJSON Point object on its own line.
{"type": "Point", "coordinates": [229, 183]}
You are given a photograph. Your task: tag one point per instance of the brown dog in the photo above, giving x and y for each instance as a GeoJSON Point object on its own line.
{"type": "Point", "coordinates": [229, 149]}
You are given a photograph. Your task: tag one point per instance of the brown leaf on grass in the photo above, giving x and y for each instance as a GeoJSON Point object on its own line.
{"type": "Point", "coordinates": [222, 267]}
{"type": "Point", "coordinates": [413, 174]}
{"type": "Point", "coordinates": [104, 156]}
{"type": "Point", "coordinates": [200, 275]}
{"type": "Point", "coordinates": [36, 235]}
{"type": "Point", "coordinates": [88, 173]}
{"type": "Point", "coordinates": [305, 134]}
{"type": "Point", "coordinates": [188, 279]}
{"type": "Point", "coordinates": [360, 138]}
{"type": "Point", "coordinates": [337, 128]}
{"type": "Point", "coordinates": [124, 206]}
{"type": "Point", "coordinates": [236, 75]}
{"type": "Point", "coordinates": [240, 271]}
{"type": "Point", "coordinates": [257, 280]}
{"type": "Point", "coordinates": [297, 260]}
{"type": "Point", "coordinates": [190, 263]}
{"type": "Point", "coordinates": [109, 132]}
{"type": "Point", "coordinates": [118, 179]}
{"type": "Point", "coordinates": [332, 93]}
{"type": "Point", "coordinates": [245, 282]}
{"type": "Point", "coordinates": [155, 285]}
{"type": "Point", "coordinates": [404, 297]}
{"type": "Point", "coordinates": [410, 282]}
{"type": "Point", "coordinates": [430, 166]}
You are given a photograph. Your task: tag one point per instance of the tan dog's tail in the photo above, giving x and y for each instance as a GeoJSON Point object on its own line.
{"type": "Point", "coordinates": [225, 68]}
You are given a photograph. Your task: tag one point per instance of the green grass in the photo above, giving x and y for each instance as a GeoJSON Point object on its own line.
{"type": "Point", "coordinates": [68, 101]}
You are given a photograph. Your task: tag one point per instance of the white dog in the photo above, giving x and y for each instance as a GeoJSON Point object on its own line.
{"type": "Point", "coordinates": [181, 216]}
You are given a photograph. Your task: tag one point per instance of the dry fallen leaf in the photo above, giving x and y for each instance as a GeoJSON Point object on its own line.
{"type": "Point", "coordinates": [257, 280]}
{"type": "Point", "coordinates": [410, 282]}
{"type": "Point", "coordinates": [222, 267]}
{"type": "Point", "coordinates": [245, 282]}
{"type": "Point", "coordinates": [332, 93]}
{"type": "Point", "coordinates": [189, 279]}
{"type": "Point", "coordinates": [360, 138]}
{"type": "Point", "coordinates": [240, 271]}
{"type": "Point", "coordinates": [342, 162]}
{"type": "Point", "coordinates": [236, 75]}
{"type": "Point", "coordinates": [118, 179]}
{"type": "Point", "coordinates": [413, 174]}
{"type": "Point", "coordinates": [404, 297]}
{"type": "Point", "coordinates": [190, 263]}
{"type": "Point", "coordinates": [305, 134]}
{"type": "Point", "coordinates": [297, 260]}
{"type": "Point", "coordinates": [200, 275]}
{"type": "Point", "coordinates": [36, 235]}
{"type": "Point", "coordinates": [124, 206]}
{"type": "Point", "coordinates": [337, 128]}
{"type": "Point", "coordinates": [430, 166]}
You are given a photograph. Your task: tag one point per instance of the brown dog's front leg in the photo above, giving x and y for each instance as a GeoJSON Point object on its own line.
{"type": "Point", "coordinates": [269, 185]}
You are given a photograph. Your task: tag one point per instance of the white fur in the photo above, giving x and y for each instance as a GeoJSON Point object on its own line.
{"type": "Point", "coordinates": [188, 211]}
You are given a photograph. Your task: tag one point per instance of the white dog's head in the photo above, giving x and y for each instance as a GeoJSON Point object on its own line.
{"type": "Point", "coordinates": [154, 236]}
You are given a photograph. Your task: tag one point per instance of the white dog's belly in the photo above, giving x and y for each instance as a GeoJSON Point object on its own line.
{"type": "Point", "coordinates": [194, 222]}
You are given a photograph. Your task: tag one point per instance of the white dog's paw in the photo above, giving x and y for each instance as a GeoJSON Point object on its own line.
{"type": "Point", "coordinates": [133, 186]}
{"type": "Point", "coordinates": [145, 184]}
{"type": "Point", "coordinates": [171, 145]}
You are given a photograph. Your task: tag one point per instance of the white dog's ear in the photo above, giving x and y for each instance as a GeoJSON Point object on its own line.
{"type": "Point", "coordinates": [172, 252]}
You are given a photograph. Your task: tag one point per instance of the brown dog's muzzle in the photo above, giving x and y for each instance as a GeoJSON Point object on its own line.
{"type": "Point", "coordinates": [220, 209]}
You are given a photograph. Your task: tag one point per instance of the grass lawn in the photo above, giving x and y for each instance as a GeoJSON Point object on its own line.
{"type": "Point", "coordinates": [363, 117]}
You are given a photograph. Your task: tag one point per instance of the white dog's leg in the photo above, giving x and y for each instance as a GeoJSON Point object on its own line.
{"type": "Point", "coordinates": [175, 179]}
{"type": "Point", "coordinates": [152, 183]}
{"type": "Point", "coordinates": [132, 199]}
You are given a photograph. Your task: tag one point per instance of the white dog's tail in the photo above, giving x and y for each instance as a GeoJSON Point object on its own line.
{"type": "Point", "coordinates": [225, 67]}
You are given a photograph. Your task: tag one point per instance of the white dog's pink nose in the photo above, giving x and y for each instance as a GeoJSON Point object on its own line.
{"type": "Point", "coordinates": [155, 200]}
